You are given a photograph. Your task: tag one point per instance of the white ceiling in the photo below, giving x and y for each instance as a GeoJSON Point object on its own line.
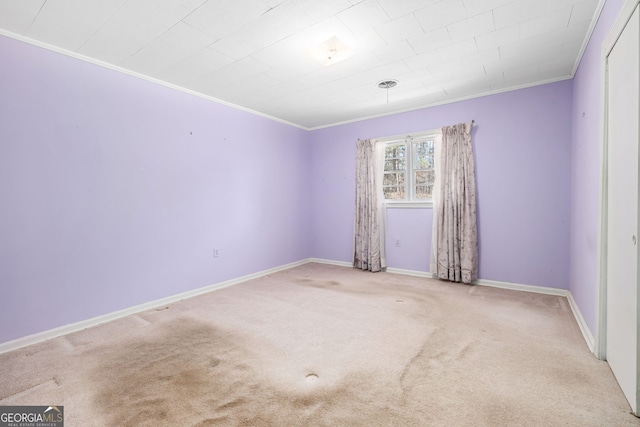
{"type": "Point", "coordinates": [251, 53]}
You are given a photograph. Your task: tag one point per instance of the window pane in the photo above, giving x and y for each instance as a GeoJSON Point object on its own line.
{"type": "Point", "coordinates": [424, 191]}
{"type": "Point", "coordinates": [390, 179]}
{"type": "Point", "coordinates": [425, 177]}
{"type": "Point", "coordinates": [424, 154]}
{"type": "Point", "coordinates": [424, 184]}
{"type": "Point", "coordinates": [423, 173]}
{"type": "Point", "coordinates": [422, 148]}
{"type": "Point", "coordinates": [395, 168]}
{"type": "Point", "coordinates": [393, 185]}
{"type": "Point", "coordinates": [424, 162]}
{"type": "Point", "coordinates": [393, 192]}
{"type": "Point", "coordinates": [394, 165]}
{"type": "Point", "coordinates": [395, 151]}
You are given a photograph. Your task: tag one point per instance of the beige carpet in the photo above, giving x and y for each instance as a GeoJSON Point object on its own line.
{"type": "Point", "coordinates": [322, 345]}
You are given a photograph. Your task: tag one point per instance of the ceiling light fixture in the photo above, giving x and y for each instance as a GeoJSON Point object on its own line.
{"type": "Point", "coordinates": [330, 51]}
{"type": "Point", "coordinates": [387, 84]}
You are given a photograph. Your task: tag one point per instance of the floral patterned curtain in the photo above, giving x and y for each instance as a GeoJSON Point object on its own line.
{"type": "Point", "coordinates": [454, 251]}
{"type": "Point", "coordinates": [368, 229]}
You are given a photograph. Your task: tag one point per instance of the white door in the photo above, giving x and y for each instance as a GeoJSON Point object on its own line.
{"type": "Point", "coordinates": [623, 75]}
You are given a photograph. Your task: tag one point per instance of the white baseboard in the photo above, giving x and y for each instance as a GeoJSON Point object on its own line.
{"type": "Point", "coordinates": [330, 262]}
{"type": "Point", "coordinates": [94, 321]}
{"type": "Point", "coordinates": [84, 324]}
{"type": "Point", "coordinates": [586, 332]}
{"type": "Point", "coordinates": [520, 287]}
{"type": "Point", "coordinates": [415, 273]}
{"type": "Point", "coordinates": [491, 283]}
{"type": "Point", "coordinates": [481, 282]}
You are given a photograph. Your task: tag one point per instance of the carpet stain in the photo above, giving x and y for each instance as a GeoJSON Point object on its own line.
{"type": "Point", "coordinates": [197, 375]}
{"type": "Point", "coordinates": [320, 284]}
{"type": "Point", "coordinates": [375, 289]}
{"type": "Point", "coordinates": [159, 380]}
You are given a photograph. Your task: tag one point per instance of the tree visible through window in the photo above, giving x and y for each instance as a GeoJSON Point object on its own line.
{"type": "Point", "coordinates": [395, 169]}
{"type": "Point", "coordinates": [409, 168]}
{"type": "Point", "coordinates": [424, 174]}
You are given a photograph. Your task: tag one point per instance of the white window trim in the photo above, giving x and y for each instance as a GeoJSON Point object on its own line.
{"type": "Point", "coordinates": [408, 204]}
{"type": "Point", "coordinates": [403, 204]}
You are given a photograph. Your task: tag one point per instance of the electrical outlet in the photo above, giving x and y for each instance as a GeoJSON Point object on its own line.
{"type": "Point", "coordinates": [216, 253]}
{"type": "Point", "coordinates": [397, 243]}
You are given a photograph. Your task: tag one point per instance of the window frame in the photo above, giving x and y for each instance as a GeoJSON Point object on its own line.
{"type": "Point", "coordinates": [409, 141]}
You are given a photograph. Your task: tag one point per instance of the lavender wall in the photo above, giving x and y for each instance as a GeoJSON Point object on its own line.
{"type": "Point", "coordinates": [522, 143]}
{"type": "Point", "coordinates": [114, 191]}
{"type": "Point", "coordinates": [585, 166]}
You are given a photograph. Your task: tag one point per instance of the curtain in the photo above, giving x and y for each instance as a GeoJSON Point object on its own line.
{"type": "Point", "coordinates": [454, 250]}
{"type": "Point", "coordinates": [368, 230]}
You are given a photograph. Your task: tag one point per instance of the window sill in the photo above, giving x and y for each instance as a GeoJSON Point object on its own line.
{"type": "Point", "coordinates": [408, 205]}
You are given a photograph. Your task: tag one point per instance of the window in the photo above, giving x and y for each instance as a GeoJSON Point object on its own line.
{"type": "Point", "coordinates": [409, 169]}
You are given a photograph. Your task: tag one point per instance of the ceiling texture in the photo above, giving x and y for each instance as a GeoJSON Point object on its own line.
{"type": "Point", "coordinates": [257, 54]}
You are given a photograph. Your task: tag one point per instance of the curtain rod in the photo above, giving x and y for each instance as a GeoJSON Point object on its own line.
{"type": "Point", "coordinates": [407, 135]}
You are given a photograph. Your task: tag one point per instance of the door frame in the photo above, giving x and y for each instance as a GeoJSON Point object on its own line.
{"type": "Point", "coordinates": [600, 345]}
